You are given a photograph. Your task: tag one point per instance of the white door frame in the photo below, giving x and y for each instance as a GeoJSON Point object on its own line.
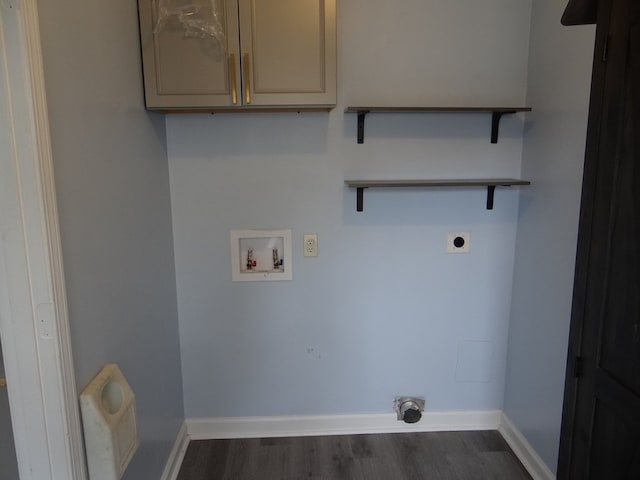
{"type": "Point", "coordinates": [34, 326]}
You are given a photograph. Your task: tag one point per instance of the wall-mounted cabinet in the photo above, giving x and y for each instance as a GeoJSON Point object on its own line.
{"type": "Point", "coordinates": [279, 54]}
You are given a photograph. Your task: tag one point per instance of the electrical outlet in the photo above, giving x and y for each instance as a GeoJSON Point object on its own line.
{"type": "Point", "coordinates": [458, 242]}
{"type": "Point", "coordinates": [310, 245]}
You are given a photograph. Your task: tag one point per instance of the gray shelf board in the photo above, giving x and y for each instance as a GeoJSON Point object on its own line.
{"type": "Point", "coordinates": [372, 109]}
{"type": "Point", "coordinates": [496, 115]}
{"type": "Point", "coordinates": [481, 182]}
{"type": "Point", "coordinates": [489, 183]}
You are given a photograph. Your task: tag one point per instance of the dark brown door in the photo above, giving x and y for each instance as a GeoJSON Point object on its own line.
{"type": "Point", "coordinates": [601, 419]}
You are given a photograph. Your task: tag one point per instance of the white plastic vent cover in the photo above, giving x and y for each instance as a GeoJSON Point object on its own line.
{"type": "Point", "coordinates": [109, 421]}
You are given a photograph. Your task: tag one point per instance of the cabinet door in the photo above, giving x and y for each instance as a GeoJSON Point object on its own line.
{"type": "Point", "coordinates": [189, 72]}
{"type": "Point", "coordinates": [288, 52]}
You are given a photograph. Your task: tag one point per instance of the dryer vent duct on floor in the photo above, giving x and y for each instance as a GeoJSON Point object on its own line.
{"type": "Point", "coordinates": [109, 422]}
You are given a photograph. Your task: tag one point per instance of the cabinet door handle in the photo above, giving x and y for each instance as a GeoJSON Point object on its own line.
{"type": "Point", "coordinates": [234, 80]}
{"type": "Point", "coordinates": [247, 79]}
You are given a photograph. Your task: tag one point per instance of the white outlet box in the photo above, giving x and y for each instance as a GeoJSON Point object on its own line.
{"type": "Point", "coordinates": [458, 242]}
{"type": "Point", "coordinates": [310, 243]}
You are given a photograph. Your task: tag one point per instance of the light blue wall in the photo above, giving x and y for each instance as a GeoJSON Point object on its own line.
{"type": "Point", "coordinates": [113, 193]}
{"type": "Point", "coordinates": [382, 310]}
{"type": "Point", "coordinates": [558, 90]}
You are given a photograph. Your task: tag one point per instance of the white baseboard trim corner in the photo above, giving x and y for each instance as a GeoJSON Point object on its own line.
{"type": "Point", "coordinates": [176, 455]}
{"type": "Point", "coordinates": [300, 426]}
{"type": "Point", "coordinates": [536, 467]}
{"type": "Point", "coordinates": [315, 425]}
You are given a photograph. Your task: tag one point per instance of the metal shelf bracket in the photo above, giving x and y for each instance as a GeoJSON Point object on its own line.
{"type": "Point", "coordinates": [491, 189]}
{"type": "Point", "coordinates": [359, 199]}
{"type": "Point", "coordinates": [495, 124]}
{"type": "Point", "coordinates": [361, 115]}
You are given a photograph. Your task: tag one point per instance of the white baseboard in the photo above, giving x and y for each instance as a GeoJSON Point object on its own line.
{"type": "Point", "coordinates": [176, 455]}
{"type": "Point", "coordinates": [524, 451]}
{"type": "Point", "coordinates": [313, 425]}
{"type": "Point", "coordinates": [300, 426]}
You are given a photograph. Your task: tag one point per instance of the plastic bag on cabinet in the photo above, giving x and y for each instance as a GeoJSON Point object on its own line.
{"type": "Point", "coordinates": [197, 18]}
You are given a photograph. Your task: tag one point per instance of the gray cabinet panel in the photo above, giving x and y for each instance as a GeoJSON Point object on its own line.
{"type": "Point", "coordinates": [186, 71]}
{"type": "Point", "coordinates": [280, 53]}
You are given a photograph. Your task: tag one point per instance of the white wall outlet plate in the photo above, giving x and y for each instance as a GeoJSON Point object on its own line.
{"type": "Point", "coordinates": [310, 244]}
{"type": "Point", "coordinates": [458, 242]}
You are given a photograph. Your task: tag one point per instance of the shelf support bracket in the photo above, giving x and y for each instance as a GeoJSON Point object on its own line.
{"type": "Point", "coordinates": [495, 124]}
{"type": "Point", "coordinates": [491, 189]}
{"type": "Point", "coordinates": [361, 115]}
{"type": "Point", "coordinates": [359, 199]}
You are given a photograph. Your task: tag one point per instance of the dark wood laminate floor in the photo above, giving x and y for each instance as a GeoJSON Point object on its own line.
{"type": "Point", "coordinates": [480, 455]}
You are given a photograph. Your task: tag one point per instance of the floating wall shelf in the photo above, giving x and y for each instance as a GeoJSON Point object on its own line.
{"type": "Point", "coordinates": [496, 114]}
{"type": "Point", "coordinates": [490, 183]}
